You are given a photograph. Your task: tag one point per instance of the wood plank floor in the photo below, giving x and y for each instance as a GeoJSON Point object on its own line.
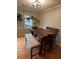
{"type": "Point", "coordinates": [21, 51]}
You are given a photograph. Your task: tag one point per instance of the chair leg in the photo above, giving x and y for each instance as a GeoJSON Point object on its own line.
{"type": "Point", "coordinates": [50, 47]}
{"type": "Point", "coordinates": [50, 44]}
{"type": "Point", "coordinates": [31, 53]}
{"type": "Point", "coordinates": [54, 41]}
{"type": "Point", "coordinates": [40, 50]}
{"type": "Point", "coordinates": [44, 53]}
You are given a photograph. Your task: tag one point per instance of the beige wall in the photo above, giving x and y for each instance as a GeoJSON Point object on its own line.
{"type": "Point", "coordinates": [52, 18]}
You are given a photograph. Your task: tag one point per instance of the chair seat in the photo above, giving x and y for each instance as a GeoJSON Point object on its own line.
{"type": "Point", "coordinates": [31, 41]}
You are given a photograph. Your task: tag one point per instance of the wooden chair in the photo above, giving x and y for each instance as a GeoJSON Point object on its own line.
{"type": "Point", "coordinates": [52, 39]}
{"type": "Point", "coordinates": [34, 27]}
{"type": "Point", "coordinates": [33, 44]}
{"type": "Point", "coordinates": [55, 31]}
{"type": "Point", "coordinates": [47, 28]}
{"type": "Point", "coordinates": [45, 45]}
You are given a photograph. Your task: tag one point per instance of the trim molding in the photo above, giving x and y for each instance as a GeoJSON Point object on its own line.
{"type": "Point", "coordinates": [59, 44]}
{"type": "Point", "coordinates": [51, 8]}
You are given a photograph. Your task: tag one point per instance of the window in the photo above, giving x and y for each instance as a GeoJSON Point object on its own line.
{"type": "Point", "coordinates": [27, 21]}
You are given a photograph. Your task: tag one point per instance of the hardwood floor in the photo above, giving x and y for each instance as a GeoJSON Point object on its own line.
{"type": "Point", "coordinates": [21, 51]}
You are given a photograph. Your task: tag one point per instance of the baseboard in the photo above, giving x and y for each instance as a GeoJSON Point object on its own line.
{"type": "Point", "coordinates": [59, 44]}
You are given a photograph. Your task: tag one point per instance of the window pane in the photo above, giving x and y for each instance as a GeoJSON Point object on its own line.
{"type": "Point", "coordinates": [27, 21]}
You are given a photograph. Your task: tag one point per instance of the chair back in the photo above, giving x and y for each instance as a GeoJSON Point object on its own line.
{"type": "Point", "coordinates": [45, 42]}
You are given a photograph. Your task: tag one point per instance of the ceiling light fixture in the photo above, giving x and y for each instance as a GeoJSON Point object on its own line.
{"type": "Point", "coordinates": [36, 4]}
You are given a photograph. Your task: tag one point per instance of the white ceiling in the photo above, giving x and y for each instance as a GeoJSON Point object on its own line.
{"type": "Point", "coordinates": [26, 5]}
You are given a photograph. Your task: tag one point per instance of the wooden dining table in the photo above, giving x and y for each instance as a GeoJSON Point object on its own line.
{"type": "Point", "coordinates": [42, 32]}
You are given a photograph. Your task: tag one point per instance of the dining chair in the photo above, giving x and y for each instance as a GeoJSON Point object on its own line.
{"type": "Point", "coordinates": [34, 45]}
{"type": "Point", "coordinates": [50, 41]}
{"type": "Point", "coordinates": [45, 45]}
{"type": "Point", "coordinates": [34, 33]}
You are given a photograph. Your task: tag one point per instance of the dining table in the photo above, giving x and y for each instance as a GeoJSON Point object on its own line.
{"type": "Point", "coordinates": [42, 32]}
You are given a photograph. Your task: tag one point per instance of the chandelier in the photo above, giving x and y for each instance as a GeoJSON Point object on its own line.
{"type": "Point", "coordinates": [36, 4]}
